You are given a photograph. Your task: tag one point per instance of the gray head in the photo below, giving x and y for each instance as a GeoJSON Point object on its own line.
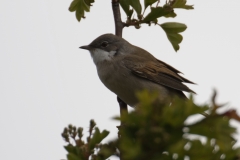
{"type": "Point", "coordinates": [107, 42]}
{"type": "Point", "coordinates": [105, 47]}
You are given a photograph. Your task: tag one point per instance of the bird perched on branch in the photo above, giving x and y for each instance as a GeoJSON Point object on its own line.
{"type": "Point", "coordinates": [126, 69]}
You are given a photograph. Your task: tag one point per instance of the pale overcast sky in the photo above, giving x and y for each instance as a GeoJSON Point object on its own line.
{"type": "Point", "coordinates": [47, 82]}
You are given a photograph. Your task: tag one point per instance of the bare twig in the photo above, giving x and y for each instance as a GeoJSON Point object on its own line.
{"type": "Point", "coordinates": [117, 18]}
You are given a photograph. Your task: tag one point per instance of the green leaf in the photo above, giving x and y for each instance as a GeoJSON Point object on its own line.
{"type": "Point", "coordinates": [179, 115]}
{"type": "Point", "coordinates": [136, 6]}
{"type": "Point", "coordinates": [181, 4]}
{"type": "Point", "coordinates": [172, 29]}
{"type": "Point", "coordinates": [88, 2]}
{"type": "Point", "coordinates": [71, 156]}
{"type": "Point", "coordinates": [69, 148]}
{"type": "Point", "coordinates": [175, 39]}
{"type": "Point", "coordinates": [178, 146]}
{"type": "Point", "coordinates": [73, 6]}
{"type": "Point", "coordinates": [74, 152]}
{"type": "Point", "coordinates": [171, 11]}
{"type": "Point", "coordinates": [216, 127]}
{"type": "Point", "coordinates": [80, 6]}
{"type": "Point", "coordinates": [172, 14]}
{"type": "Point", "coordinates": [97, 138]}
{"type": "Point", "coordinates": [107, 150]}
{"type": "Point", "coordinates": [149, 2]}
{"type": "Point", "coordinates": [155, 13]}
{"type": "Point", "coordinates": [125, 4]}
{"type": "Point", "coordinates": [198, 148]}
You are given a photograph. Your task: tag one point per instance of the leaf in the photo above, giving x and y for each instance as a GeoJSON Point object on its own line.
{"type": "Point", "coordinates": [88, 2]}
{"type": "Point", "coordinates": [206, 150]}
{"type": "Point", "coordinates": [149, 2]}
{"type": "Point", "coordinates": [74, 152]}
{"type": "Point", "coordinates": [214, 127]}
{"type": "Point", "coordinates": [73, 6]}
{"type": "Point", "coordinates": [97, 137]}
{"type": "Point", "coordinates": [178, 114]}
{"type": "Point", "coordinates": [80, 6]}
{"type": "Point", "coordinates": [155, 13]}
{"type": "Point", "coordinates": [172, 14]}
{"type": "Point", "coordinates": [217, 127]}
{"type": "Point", "coordinates": [107, 150]}
{"type": "Point", "coordinates": [125, 4]}
{"type": "Point", "coordinates": [172, 29]}
{"type": "Point", "coordinates": [136, 6]}
{"type": "Point", "coordinates": [69, 148]}
{"type": "Point", "coordinates": [175, 39]}
{"type": "Point", "coordinates": [178, 146]}
{"type": "Point", "coordinates": [71, 156]}
{"type": "Point", "coordinates": [126, 7]}
{"type": "Point", "coordinates": [171, 11]}
{"type": "Point", "coordinates": [181, 4]}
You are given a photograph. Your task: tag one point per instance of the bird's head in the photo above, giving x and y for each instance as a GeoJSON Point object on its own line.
{"type": "Point", "coordinates": [106, 47]}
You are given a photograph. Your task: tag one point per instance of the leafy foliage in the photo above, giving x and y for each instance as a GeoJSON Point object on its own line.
{"type": "Point", "coordinates": [149, 2]}
{"type": "Point", "coordinates": [80, 7]}
{"type": "Point", "coordinates": [129, 6]}
{"type": "Point", "coordinates": [162, 133]}
{"type": "Point", "coordinates": [125, 4]}
{"type": "Point", "coordinates": [167, 10]}
{"type": "Point", "coordinates": [156, 13]}
{"type": "Point", "coordinates": [157, 130]}
{"type": "Point", "coordinates": [79, 150]}
{"type": "Point", "coordinates": [135, 4]}
{"type": "Point", "coordinates": [172, 30]}
{"type": "Point", "coordinates": [180, 4]}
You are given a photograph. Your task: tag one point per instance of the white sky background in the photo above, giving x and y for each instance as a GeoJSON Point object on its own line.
{"type": "Point", "coordinates": [47, 82]}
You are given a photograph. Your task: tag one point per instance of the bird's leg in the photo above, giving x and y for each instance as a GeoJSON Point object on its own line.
{"type": "Point", "coordinates": [123, 108]}
{"type": "Point", "coordinates": [123, 111]}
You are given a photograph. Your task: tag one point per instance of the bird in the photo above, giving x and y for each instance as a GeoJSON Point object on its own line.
{"type": "Point", "coordinates": [126, 69]}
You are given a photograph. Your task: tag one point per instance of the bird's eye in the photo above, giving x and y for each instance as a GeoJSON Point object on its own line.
{"type": "Point", "coordinates": [104, 44]}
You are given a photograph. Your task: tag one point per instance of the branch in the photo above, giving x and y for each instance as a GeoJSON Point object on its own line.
{"type": "Point", "coordinates": [117, 18]}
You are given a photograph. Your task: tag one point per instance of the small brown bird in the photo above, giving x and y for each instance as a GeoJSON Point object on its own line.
{"type": "Point", "coordinates": [126, 69]}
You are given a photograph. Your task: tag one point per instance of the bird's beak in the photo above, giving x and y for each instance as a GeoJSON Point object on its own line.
{"type": "Point", "coordinates": [87, 47]}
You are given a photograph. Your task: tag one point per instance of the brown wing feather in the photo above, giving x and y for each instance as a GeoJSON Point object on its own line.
{"type": "Point", "coordinates": [169, 67]}
{"type": "Point", "coordinates": [157, 72]}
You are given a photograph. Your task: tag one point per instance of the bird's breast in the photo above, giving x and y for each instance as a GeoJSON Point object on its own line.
{"type": "Point", "coordinates": [111, 75]}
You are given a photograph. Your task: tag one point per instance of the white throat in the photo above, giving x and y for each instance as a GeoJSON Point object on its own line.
{"type": "Point", "coordinates": [99, 55]}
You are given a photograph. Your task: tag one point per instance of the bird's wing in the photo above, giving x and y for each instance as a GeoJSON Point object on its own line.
{"type": "Point", "coordinates": [156, 71]}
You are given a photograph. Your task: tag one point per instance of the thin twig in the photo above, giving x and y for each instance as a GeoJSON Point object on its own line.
{"type": "Point", "coordinates": [117, 18]}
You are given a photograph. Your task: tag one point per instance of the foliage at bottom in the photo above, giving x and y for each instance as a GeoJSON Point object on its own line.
{"type": "Point", "coordinates": [158, 131]}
